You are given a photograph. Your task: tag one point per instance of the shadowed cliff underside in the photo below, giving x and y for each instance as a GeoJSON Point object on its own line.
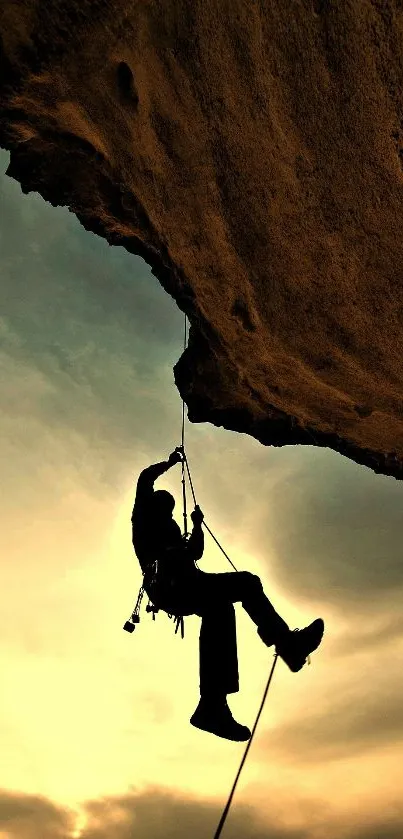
{"type": "Point", "coordinates": [252, 154]}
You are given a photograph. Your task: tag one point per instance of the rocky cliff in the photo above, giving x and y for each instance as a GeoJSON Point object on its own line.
{"type": "Point", "coordinates": [251, 152]}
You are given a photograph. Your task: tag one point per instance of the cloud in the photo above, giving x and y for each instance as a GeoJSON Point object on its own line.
{"type": "Point", "coordinates": [153, 814]}
{"type": "Point", "coordinates": [34, 817]}
{"type": "Point", "coordinates": [390, 828]}
{"type": "Point", "coordinates": [368, 716]}
{"type": "Point", "coordinates": [335, 531]}
{"type": "Point", "coordinates": [164, 816]}
{"type": "Point", "coordinates": [376, 635]}
{"type": "Point", "coordinates": [157, 814]}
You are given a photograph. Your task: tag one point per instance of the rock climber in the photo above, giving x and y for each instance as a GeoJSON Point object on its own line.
{"type": "Point", "coordinates": [173, 583]}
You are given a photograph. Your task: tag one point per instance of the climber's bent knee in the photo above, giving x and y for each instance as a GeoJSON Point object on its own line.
{"type": "Point", "coordinates": [251, 581]}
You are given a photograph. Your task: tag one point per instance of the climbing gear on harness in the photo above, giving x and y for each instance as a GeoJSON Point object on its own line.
{"type": "Point", "coordinates": [153, 609]}
{"type": "Point", "coordinates": [134, 619]}
{"type": "Point", "coordinates": [179, 622]}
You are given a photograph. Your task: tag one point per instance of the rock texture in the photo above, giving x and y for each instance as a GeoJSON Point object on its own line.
{"type": "Point", "coordinates": [252, 153]}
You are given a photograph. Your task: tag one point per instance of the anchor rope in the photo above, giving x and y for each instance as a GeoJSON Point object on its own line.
{"type": "Point", "coordinates": [185, 462]}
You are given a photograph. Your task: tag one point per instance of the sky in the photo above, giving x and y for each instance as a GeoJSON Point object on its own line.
{"type": "Point", "coordinates": [94, 722]}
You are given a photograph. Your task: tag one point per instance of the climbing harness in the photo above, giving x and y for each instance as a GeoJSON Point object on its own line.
{"type": "Point", "coordinates": [179, 619]}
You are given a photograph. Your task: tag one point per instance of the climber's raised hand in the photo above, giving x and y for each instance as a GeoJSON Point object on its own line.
{"type": "Point", "coordinates": [197, 515]}
{"type": "Point", "coordinates": [176, 456]}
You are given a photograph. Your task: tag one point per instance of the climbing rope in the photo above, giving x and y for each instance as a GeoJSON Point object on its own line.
{"type": "Point", "coordinates": [231, 795]}
{"type": "Point", "coordinates": [203, 522]}
{"type": "Point", "coordinates": [183, 451]}
{"type": "Point", "coordinates": [185, 462]}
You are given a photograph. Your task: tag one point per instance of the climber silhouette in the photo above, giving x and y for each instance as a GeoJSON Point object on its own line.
{"type": "Point", "coordinates": [174, 584]}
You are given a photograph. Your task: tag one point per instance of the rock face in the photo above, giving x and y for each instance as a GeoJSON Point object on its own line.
{"type": "Point", "coordinates": [252, 153]}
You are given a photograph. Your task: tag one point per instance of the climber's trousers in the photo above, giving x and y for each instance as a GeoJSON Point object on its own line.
{"type": "Point", "coordinates": [213, 598]}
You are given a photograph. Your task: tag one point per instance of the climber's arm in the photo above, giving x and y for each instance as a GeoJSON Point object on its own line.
{"type": "Point", "coordinates": [145, 483]}
{"type": "Point", "coordinates": [151, 473]}
{"type": "Point", "coordinates": [195, 546]}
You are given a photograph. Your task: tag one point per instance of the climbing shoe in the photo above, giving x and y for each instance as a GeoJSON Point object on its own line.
{"type": "Point", "coordinates": [295, 647]}
{"type": "Point", "coordinates": [217, 719]}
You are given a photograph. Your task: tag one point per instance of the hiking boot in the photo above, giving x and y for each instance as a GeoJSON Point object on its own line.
{"type": "Point", "coordinates": [296, 646]}
{"type": "Point", "coordinates": [216, 718]}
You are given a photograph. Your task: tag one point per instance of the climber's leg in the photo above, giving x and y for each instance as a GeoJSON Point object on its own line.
{"type": "Point", "coordinates": [245, 588]}
{"type": "Point", "coordinates": [218, 672]}
{"type": "Point", "coordinates": [218, 650]}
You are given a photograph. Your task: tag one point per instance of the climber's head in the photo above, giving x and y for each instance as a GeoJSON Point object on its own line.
{"type": "Point", "coordinates": [163, 504]}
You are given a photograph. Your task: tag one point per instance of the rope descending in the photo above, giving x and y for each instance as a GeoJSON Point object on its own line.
{"type": "Point", "coordinates": [185, 521]}
{"type": "Point", "coordinates": [245, 754]}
